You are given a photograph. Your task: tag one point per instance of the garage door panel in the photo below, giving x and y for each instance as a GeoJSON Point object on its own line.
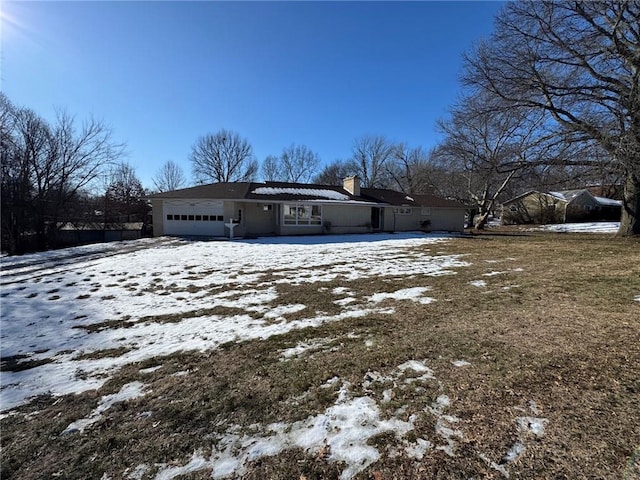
{"type": "Point", "coordinates": [196, 217]}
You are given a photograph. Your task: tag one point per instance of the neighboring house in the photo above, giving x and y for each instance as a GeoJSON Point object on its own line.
{"type": "Point", "coordinates": [559, 207]}
{"type": "Point", "coordinates": [274, 208]}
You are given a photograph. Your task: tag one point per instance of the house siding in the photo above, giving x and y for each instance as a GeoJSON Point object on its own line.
{"type": "Point", "coordinates": [355, 219]}
{"type": "Point", "coordinates": [257, 220]}
{"type": "Point", "coordinates": [534, 207]}
{"type": "Point", "coordinates": [405, 221]}
{"type": "Point", "coordinates": [444, 219]}
{"type": "Point", "coordinates": [157, 217]}
{"type": "Point", "coordinates": [581, 208]}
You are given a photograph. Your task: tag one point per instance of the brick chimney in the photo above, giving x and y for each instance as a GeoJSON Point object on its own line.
{"type": "Point", "coordinates": [352, 185]}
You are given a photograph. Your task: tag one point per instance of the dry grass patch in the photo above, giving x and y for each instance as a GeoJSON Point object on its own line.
{"type": "Point", "coordinates": [555, 335]}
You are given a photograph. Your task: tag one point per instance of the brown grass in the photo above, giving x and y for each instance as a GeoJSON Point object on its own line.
{"type": "Point", "coordinates": [561, 337]}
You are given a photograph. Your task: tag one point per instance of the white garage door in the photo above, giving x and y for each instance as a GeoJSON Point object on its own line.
{"type": "Point", "coordinates": [193, 217]}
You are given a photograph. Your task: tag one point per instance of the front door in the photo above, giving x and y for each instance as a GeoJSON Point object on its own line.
{"type": "Point", "coordinates": [375, 218]}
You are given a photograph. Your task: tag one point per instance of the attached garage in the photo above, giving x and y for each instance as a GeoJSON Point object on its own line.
{"type": "Point", "coordinates": [193, 217]}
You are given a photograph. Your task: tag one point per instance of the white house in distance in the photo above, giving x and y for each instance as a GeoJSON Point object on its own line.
{"type": "Point", "coordinates": [250, 209]}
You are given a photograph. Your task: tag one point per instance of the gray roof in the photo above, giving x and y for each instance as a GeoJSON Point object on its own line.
{"type": "Point", "coordinates": [288, 192]}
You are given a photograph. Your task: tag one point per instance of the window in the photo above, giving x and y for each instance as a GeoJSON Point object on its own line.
{"type": "Point", "coordinates": [425, 211]}
{"type": "Point", "coordinates": [402, 210]}
{"type": "Point", "coordinates": [299, 214]}
{"type": "Point", "coordinates": [267, 208]}
{"type": "Point", "coordinates": [196, 218]}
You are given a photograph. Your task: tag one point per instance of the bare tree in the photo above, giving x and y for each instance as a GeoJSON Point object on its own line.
{"type": "Point", "coordinates": [579, 63]}
{"type": "Point", "coordinates": [369, 160]}
{"type": "Point", "coordinates": [45, 168]}
{"type": "Point", "coordinates": [489, 144]}
{"type": "Point", "coordinates": [223, 157]}
{"type": "Point", "coordinates": [123, 198]}
{"type": "Point", "coordinates": [169, 177]}
{"type": "Point", "coordinates": [299, 164]}
{"type": "Point", "coordinates": [271, 169]}
{"type": "Point", "coordinates": [409, 170]}
{"type": "Point", "coordinates": [334, 173]}
{"type": "Point", "coordinates": [296, 164]}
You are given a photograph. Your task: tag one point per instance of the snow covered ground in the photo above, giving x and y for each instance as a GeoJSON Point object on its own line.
{"type": "Point", "coordinates": [60, 306]}
{"type": "Point", "coordinates": [588, 227]}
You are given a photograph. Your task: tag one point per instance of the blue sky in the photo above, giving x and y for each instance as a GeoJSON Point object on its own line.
{"type": "Point", "coordinates": [319, 74]}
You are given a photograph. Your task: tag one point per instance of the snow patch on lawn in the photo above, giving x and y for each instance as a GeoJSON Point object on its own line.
{"type": "Point", "coordinates": [493, 274]}
{"type": "Point", "coordinates": [533, 425]}
{"type": "Point", "coordinates": [341, 433]}
{"type": "Point", "coordinates": [587, 227]}
{"type": "Point", "coordinates": [526, 427]}
{"type": "Point", "coordinates": [127, 392]}
{"type": "Point", "coordinates": [460, 363]}
{"type": "Point", "coordinates": [415, 294]}
{"type": "Point", "coordinates": [299, 349]}
{"type": "Point", "coordinates": [280, 311]}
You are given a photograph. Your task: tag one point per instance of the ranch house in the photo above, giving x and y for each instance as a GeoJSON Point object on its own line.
{"type": "Point", "coordinates": [251, 209]}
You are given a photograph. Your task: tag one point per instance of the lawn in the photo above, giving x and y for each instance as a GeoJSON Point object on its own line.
{"type": "Point", "coordinates": [502, 355]}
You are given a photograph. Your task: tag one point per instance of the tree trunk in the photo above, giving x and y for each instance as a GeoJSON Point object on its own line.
{"type": "Point", "coordinates": [472, 217]}
{"type": "Point", "coordinates": [630, 221]}
{"type": "Point", "coordinates": [482, 220]}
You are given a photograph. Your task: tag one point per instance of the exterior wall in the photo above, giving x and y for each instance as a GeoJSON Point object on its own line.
{"type": "Point", "coordinates": [536, 207]}
{"type": "Point", "coordinates": [425, 219]}
{"type": "Point", "coordinates": [346, 219]}
{"type": "Point", "coordinates": [582, 208]}
{"type": "Point", "coordinates": [388, 220]}
{"type": "Point", "coordinates": [258, 221]}
{"type": "Point", "coordinates": [405, 222]}
{"type": "Point", "coordinates": [301, 230]}
{"type": "Point", "coordinates": [156, 212]}
{"type": "Point", "coordinates": [445, 219]}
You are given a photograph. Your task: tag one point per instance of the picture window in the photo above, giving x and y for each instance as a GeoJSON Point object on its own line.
{"type": "Point", "coordinates": [298, 214]}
